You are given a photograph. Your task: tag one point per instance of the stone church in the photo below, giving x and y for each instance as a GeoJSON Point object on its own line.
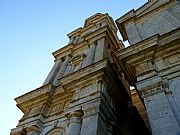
{"type": "Point", "coordinates": [87, 91]}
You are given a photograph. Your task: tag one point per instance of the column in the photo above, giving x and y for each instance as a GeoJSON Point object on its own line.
{"type": "Point", "coordinates": [18, 131]}
{"type": "Point", "coordinates": [159, 111]}
{"type": "Point", "coordinates": [100, 50]}
{"type": "Point", "coordinates": [90, 123]}
{"type": "Point", "coordinates": [160, 114]}
{"type": "Point", "coordinates": [90, 57]}
{"type": "Point", "coordinates": [61, 70]}
{"type": "Point", "coordinates": [75, 122]}
{"type": "Point", "coordinates": [171, 101]}
{"type": "Point", "coordinates": [53, 72]}
{"type": "Point", "coordinates": [173, 106]}
{"type": "Point", "coordinates": [32, 130]}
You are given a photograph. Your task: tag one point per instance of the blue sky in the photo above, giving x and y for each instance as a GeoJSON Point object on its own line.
{"type": "Point", "coordinates": [30, 30]}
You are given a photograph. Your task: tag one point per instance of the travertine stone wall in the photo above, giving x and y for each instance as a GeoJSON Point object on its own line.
{"type": "Point", "coordinates": [155, 17]}
{"type": "Point", "coordinates": [157, 69]}
{"type": "Point", "coordinates": [152, 63]}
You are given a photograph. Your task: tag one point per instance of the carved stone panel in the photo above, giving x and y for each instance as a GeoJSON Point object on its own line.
{"type": "Point", "coordinates": [144, 67]}
{"type": "Point", "coordinates": [88, 90]}
{"type": "Point", "coordinates": [172, 59]}
{"type": "Point", "coordinates": [35, 111]}
{"type": "Point", "coordinates": [57, 108]}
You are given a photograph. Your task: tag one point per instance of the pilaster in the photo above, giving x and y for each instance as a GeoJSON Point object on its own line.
{"type": "Point", "coordinates": [61, 70]}
{"type": "Point", "coordinates": [90, 56]}
{"type": "Point", "coordinates": [75, 122]}
{"type": "Point", "coordinates": [53, 72]}
{"type": "Point", "coordinates": [101, 49]}
{"type": "Point", "coordinates": [154, 64]}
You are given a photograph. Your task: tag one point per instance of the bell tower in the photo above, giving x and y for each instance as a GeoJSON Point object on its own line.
{"type": "Point", "coordinates": [85, 93]}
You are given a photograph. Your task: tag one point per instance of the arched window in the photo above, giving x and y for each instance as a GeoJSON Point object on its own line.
{"type": "Point", "coordinates": [55, 131]}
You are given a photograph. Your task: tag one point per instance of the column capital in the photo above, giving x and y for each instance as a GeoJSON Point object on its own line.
{"type": "Point", "coordinates": [18, 131]}
{"type": "Point", "coordinates": [150, 86]}
{"type": "Point", "coordinates": [77, 113]}
{"type": "Point", "coordinates": [31, 128]}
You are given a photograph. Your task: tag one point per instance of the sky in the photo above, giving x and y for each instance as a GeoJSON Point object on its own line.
{"type": "Point", "coordinates": [30, 30]}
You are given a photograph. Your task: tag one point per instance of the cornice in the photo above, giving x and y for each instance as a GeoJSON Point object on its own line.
{"type": "Point", "coordinates": [88, 39]}
{"type": "Point", "coordinates": [103, 32]}
{"type": "Point", "coordinates": [158, 46]}
{"type": "Point", "coordinates": [150, 44]}
{"type": "Point", "coordinates": [63, 51]}
{"type": "Point", "coordinates": [96, 69]}
{"type": "Point", "coordinates": [153, 7]}
{"type": "Point", "coordinates": [149, 9]}
{"type": "Point", "coordinates": [39, 94]}
{"type": "Point", "coordinates": [89, 33]}
{"type": "Point", "coordinates": [75, 32]}
{"type": "Point", "coordinates": [137, 48]}
{"type": "Point", "coordinates": [93, 18]}
{"type": "Point", "coordinates": [96, 34]}
{"type": "Point", "coordinates": [99, 19]}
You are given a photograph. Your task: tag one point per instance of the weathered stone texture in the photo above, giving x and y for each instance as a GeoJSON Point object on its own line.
{"type": "Point", "coordinates": [152, 62]}
{"type": "Point", "coordinates": [159, 17]}
{"type": "Point", "coordinates": [82, 94]}
{"type": "Point", "coordinates": [161, 116]}
{"type": "Point", "coordinates": [87, 91]}
{"type": "Point", "coordinates": [89, 125]}
{"type": "Point", "coordinates": [52, 74]}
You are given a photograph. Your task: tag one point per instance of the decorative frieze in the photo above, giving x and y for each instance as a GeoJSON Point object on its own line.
{"type": "Point", "coordinates": [150, 86]}
{"type": "Point", "coordinates": [58, 108]}
{"type": "Point", "coordinates": [144, 67]}
{"type": "Point", "coordinates": [34, 111]}
{"type": "Point", "coordinates": [88, 90]}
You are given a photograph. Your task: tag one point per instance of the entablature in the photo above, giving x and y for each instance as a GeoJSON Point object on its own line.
{"type": "Point", "coordinates": [89, 39]}
{"type": "Point", "coordinates": [89, 71]}
{"type": "Point", "coordinates": [144, 56]}
{"type": "Point", "coordinates": [33, 98]}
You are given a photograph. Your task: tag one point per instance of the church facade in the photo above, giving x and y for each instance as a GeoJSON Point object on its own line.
{"type": "Point", "coordinates": [87, 91]}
